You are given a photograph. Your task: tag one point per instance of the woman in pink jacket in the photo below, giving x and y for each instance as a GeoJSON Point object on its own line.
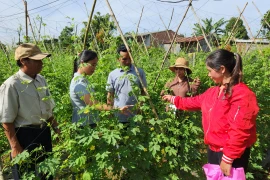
{"type": "Point", "coordinates": [229, 112]}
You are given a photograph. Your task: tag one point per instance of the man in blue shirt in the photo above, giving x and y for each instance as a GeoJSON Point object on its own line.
{"type": "Point", "coordinates": [124, 86]}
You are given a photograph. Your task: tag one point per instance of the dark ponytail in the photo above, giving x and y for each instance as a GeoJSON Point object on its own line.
{"type": "Point", "coordinates": [231, 61]}
{"type": "Point", "coordinates": [84, 57]}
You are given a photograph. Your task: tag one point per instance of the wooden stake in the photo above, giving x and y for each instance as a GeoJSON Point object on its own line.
{"type": "Point", "coordinates": [26, 23]}
{"type": "Point", "coordinates": [171, 19]}
{"type": "Point", "coordinates": [139, 22]}
{"type": "Point", "coordinates": [174, 37]}
{"type": "Point", "coordinates": [197, 40]}
{"type": "Point", "coordinates": [229, 38]}
{"type": "Point", "coordinates": [261, 14]}
{"type": "Point", "coordinates": [132, 60]}
{"type": "Point", "coordinates": [93, 34]}
{"type": "Point", "coordinates": [244, 19]}
{"type": "Point", "coordinates": [32, 28]}
{"type": "Point", "coordinates": [188, 45]}
{"type": "Point", "coordinates": [198, 19]}
{"type": "Point", "coordinates": [135, 38]}
{"type": "Point", "coordinates": [168, 34]}
{"type": "Point", "coordinates": [253, 40]}
{"type": "Point", "coordinates": [88, 25]}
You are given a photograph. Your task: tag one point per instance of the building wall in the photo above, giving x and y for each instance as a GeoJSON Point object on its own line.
{"type": "Point", "coordinates": [243, 47]}
{"type": "Point", "coordinates": [175, 48]}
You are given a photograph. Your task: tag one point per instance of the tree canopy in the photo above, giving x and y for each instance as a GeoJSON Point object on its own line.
{"type": "Point", "coordinates": [239, 32]}
{"type": "Point", "coordinates": [209, 27]}
{"type": "Point", "coordinates": [66, 36]}
{"type": "Point", "coordinates": [265, 23]}
{"type": "Point", "coordinates": [101, 27]}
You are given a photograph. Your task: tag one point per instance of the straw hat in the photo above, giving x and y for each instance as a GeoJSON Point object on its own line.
{"type": "Point", "coordinates": [181, 62]}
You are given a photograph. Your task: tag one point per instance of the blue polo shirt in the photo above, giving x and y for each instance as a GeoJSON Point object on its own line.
{"type": "Point", "coordinates": [126, 86]}
{"type": "Point", "coordinates": [79, 87]}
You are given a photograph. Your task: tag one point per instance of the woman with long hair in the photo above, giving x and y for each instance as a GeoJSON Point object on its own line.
{"type": "Point", "coordinates": [229, 112]}
{"type": "Point", "coordinates": [81, 91]}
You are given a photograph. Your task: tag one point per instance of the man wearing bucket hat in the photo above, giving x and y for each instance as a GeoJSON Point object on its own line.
{"type": "Point", "coordinates": [182, 85]}
{"type": "Point", "coordinates": [26, 108]}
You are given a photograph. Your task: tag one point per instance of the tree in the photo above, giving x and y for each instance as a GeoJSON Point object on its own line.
{"type": "Point", "coordinates": [66, 37]}
{"type": "Point", "coordinates": [209, 27]}
{"type": "Point", "coordinates": [101, 30]}
{"type": "Point", "coordinates": [265, 23]}
{"type": "Point", "coordinates": [239, 32]}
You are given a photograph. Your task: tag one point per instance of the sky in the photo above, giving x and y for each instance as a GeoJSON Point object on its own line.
{"type": "Point", "coordinates": [156, 16]}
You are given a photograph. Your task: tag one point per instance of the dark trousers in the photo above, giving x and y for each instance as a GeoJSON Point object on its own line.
{"type": "Point", "coordinates": [216, 157]}
{"type": "Point", "coordinates": [29, 139]}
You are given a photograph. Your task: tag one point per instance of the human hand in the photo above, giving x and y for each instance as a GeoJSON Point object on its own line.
{"type": "Point", "coordinates": [125, 109]}
{"type": "Point", "coordinates": [197, 81]}
{"type": "Point", "coordinates": [225, 168]}
{"type": "Point", "coordinates": [57, 130]}
{"type": "Point", "coordinates": [16, 150]}
{"type": "Point", "coordinates": [167, 98]}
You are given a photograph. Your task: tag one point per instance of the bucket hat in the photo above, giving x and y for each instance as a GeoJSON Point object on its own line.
{"type": "Point", "coordinates": [181, 62]}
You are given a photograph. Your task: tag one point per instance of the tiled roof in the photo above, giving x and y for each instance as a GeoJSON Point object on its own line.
{"type": "Point", "coordinates": [186, 39]}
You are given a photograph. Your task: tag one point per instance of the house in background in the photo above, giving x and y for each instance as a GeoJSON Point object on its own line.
{"type": "Point", "coordinates": [154, 38]}
{"type": "Point", "coordinates": [190, 44]}
{"type": "Point", "coordinates": [243, 45]}
{"type": "Point", "coordinates": [163, 39]}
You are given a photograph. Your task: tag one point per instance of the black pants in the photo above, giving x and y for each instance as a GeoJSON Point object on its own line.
{"type": "Point", "coordinates": [29, 139]}
{"type": "Point", "coordinates": [215, 158]}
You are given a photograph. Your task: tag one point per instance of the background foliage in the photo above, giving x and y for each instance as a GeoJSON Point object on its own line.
{"type": "Point", "coordinates": [163, 148]}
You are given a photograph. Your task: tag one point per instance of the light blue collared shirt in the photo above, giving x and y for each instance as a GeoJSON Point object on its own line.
{"type": "Point", "coordinates": [126, 87]}
{"type": "Point", "coordinates": [79, 87]}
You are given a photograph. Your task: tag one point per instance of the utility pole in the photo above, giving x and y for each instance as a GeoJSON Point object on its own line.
{"type": "Point", "coordinates": [26, 22]}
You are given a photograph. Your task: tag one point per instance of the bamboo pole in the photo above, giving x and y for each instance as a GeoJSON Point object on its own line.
{"type": "Point", "coordinates": [136, 34]}
{"type": "Point", "coordinates": [165, 28]}
{"type": "Point", "coordinates": [132, 60]}
{"type": "Point", "coordinates": [141, 35]}
{"type": "Point", "coordinates": [93, 34]}
{"type": "Point", "coordinates": [188, 45]}
{"type": "Point", "coordinates": [198, 19]}
{"type": "Point", "coordinates": [32, 28]}
{"type": "Point", "coordinates": [26, 23]}
{"type": "Point", "coordinates": [174, 37]}
{"type": "Point", "coordinates": [229, 38]}
{"type": "Point", "coordinates": [253, 40]}
{"type": "Point", "coordinates": [197, 40]}
{"type": "Point", "coordinates": [261, 14]}
{"type": "Point", "coordinates": [144, 46]}
{"type": "Point", "coordinates": [88, 25]}
{"type": "Point", "coordinates": [135, 37]}
{"type": "Point", "coordinates": [171, 19]}
{"type": "Point", "coordinates": [39, 30]}
{"type": "Point", "coordinates": [139, 22]}
{"type": "Point", "coordinates": [244, 19]}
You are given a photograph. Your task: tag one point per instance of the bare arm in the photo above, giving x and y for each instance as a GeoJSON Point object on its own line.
{"type": "Point", "coordinates": [110, 97]}
{"type": "Point", "coordinates": [91, 102]}
{"type": "Point", "coordinates": [54, 125]}
{"type": "Point", "coordinates": [12, 139]}
{"type": "Point", "coordinates": [195, 86]}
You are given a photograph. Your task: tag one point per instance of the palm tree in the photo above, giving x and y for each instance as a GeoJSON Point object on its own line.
{"type": "Point", "coordinates": [210, 28]}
